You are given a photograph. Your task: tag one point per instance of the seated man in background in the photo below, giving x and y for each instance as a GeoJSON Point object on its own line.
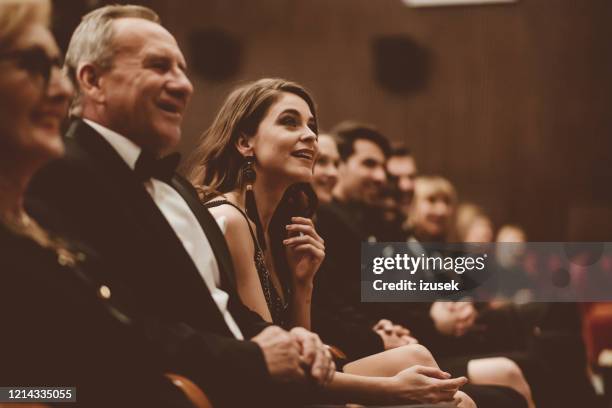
{"type": "Point", "coordinates": [355, 215]}
{"type": "Point", "coordinates": [62, 327]}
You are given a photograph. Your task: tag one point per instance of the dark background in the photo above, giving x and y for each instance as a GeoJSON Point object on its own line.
{"type": "Point", "coordinates": [511, 102]}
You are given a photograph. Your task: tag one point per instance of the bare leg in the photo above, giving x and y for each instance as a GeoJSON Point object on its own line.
{"type": "Point", "coordinates": [500, 371]}
{"type": "Point", "coordinates": [462, 400]}
{"type": "Point", "coordinates": [390, 362]}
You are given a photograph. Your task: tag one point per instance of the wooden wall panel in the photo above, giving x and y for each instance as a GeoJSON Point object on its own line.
{"type": "Point", "coordinates": [517, 109]}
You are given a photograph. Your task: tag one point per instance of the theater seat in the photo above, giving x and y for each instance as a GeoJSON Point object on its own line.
{"type": "Point", "coordinates": [192, 391]}
{"type": "Point", "coordinates": [20, 405]}
{"type": "Point", "coordinates": [597, 329]}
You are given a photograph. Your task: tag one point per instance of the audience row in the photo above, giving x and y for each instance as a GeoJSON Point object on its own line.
{"type": "Point", "coordinates": [242, 277]}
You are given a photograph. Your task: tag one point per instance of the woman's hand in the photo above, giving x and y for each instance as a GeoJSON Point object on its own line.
{"type": "Point", "coordinates": [428, 385]}
{"type": "Point", "coordinates": [305, 249]}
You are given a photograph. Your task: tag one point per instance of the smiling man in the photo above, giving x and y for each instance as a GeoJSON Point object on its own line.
{"type": "Point", "coordinates": [113, 192]}
{"type": "Point", "coordinates": [353, 216]}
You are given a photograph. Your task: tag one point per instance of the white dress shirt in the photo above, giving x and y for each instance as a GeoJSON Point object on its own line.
{"type": "Point", "coordinates": [181, 219]}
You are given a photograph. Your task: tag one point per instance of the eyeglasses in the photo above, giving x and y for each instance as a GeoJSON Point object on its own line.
{"type": "Point", "coordinates": [35, 61]}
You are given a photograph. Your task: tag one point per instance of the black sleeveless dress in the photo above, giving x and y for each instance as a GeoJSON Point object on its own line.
{"type": "Point", "coordinates": [279, 310]}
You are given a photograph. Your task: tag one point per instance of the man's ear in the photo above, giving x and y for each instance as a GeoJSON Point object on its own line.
{"type": "Point", "coordinates": [244, 145]}
{"type": "Point", "coordinates": [88, 77]}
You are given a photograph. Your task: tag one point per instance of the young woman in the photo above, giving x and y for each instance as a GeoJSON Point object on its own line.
{"type": "Point", "coordinates": [325, 172]}
{"type": "Point", "coordinates": [253, 168]}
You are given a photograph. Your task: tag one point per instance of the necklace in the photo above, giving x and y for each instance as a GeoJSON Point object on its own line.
{"type": "Point", "coordinates": [22, 224]}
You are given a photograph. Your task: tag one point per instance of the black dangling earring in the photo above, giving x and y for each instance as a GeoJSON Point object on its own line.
{"type": "Point", "coordinates": [249, 176]}
{"type": "Point", "coordinates": [248, 172]}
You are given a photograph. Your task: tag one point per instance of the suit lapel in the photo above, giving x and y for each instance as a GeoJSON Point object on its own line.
{"type": "Point", "coordinates": [175, 278]}
{"type": "Point", "coordinates": [210, 226]}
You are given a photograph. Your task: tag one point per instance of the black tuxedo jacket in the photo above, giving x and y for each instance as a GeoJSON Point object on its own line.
{"type": "Point", "coordinates": [91, 195]}
{"type": "Point", "coordinates": [336, 313]}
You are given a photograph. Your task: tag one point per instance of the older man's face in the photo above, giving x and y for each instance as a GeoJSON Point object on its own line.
{"type": "Point", "coordinates": [146, 90]}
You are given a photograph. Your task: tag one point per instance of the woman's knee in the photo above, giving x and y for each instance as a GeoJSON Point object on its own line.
{"type": "Point", "coordinates": [417, 354]}
{"type": "Point", "coordinates": [500, 369]}
{"type": "Point", "coordinates": [510, 370]}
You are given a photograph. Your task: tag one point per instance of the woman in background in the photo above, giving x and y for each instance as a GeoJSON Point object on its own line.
{"type": "Point", "coordinates": [472, 224]}
{"type": "Point", "coordinates": [325, 172]}
{"type": "Point", "coordinates": [432, 219]}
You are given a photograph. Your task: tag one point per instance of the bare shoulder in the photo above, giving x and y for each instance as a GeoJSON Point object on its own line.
{"type": "Point", "coordinates": [236, 224]}
{"type": "Point", "coordinates": [240, 243]}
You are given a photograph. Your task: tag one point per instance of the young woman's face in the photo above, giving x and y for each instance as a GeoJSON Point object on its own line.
{"type": "Point", "coordinates": [325, 174]}
{"type": "Point", "coordinates": [432, 214]}
{"type": "Point", "coordinates": [34, 97]}
{"type": "Point", "coordinates": [285, 145]}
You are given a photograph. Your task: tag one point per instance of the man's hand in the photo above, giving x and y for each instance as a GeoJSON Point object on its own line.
{"type": "Point", "coordinates": [282, 353]}
{"type": "Point", "coordinates": [314, 355]}
{"type": "Point", "coordinates": [453, 318]}
{"type": "Point", "coordinates": [393, 335]}
{"type": "Point", "coordinates": [466, 315]}
{"type": "Point", "coordinates": [426, 385]}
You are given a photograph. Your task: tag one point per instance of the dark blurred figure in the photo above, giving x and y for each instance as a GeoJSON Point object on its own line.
{"type": "Point", "coordinates": [401, 173]}
{"type": "Point", "coordinates": [63, 325]}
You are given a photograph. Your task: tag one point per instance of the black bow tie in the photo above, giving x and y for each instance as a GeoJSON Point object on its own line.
{"type": "Point", "coordinates": [147, 166]}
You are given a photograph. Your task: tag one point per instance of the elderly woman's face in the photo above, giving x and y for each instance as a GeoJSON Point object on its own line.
{"type": "Point", "coordinates": [34, 97]}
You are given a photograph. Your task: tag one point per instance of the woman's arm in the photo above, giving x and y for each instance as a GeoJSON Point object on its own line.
{"type": "Point", "coordinates": [415, 384]}
{"type": "Point", "coordinates": [300, 304]}
{"type": "Point", "coordinates": [240, 244]}
{"type": "Point", "coordinates": [305, 251]}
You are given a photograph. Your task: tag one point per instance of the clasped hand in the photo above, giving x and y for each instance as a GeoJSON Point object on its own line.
{"type": "Point", "coordinates": [453, 318]}
{"type": "Point", "coordinates": [295, 355]}
{"type": "Point", "coordinates": [393, 335]}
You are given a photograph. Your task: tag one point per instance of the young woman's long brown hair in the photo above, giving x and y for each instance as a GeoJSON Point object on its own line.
{"type": "Point", "coordinates": [215, 166]}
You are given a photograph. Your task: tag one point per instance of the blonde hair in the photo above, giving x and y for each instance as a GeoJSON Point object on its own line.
{"type": "Point", "coordinates": [510, 228]}
{"type": "Point", "coordinates": [92, 41]}
{"type": "Point", "coordinates": [467, 214]}
{"type": "Point", "coordinates": [16, 15]}
{"type": "Point", "coordinates": [427, 185]}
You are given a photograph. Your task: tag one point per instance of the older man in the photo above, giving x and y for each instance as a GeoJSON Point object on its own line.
{"type": "Point", "coordinates": [114, 192]}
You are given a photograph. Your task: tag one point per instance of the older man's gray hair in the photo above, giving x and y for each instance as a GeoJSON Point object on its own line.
{"type": "Point", "coordinates": [92, 42]}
